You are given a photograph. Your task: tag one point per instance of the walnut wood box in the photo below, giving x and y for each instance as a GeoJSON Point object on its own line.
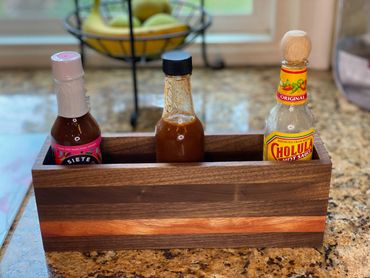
{"type": "Point", "coordinates": [232, 200]}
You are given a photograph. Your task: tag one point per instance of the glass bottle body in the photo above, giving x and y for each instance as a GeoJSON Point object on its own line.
{"type": "Point", "coordinates": [179, 133]}
{"type": "Point", "coordinates": [75, 131]}
{"type": "Point", "coordinates": [75, 134]}
{"type": "Point", "coordinates": [289, 118]}
{"type": "Point", "coordinates": [289, 123]}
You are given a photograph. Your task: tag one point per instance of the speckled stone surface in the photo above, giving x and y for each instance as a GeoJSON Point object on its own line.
{"type": "Point", "coordinates": [228, 100]}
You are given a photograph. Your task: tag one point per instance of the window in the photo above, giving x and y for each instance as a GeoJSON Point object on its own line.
{"type": "Point", "coordinates": [240, 21]}
{"type": "Point", "coordinates": [32, 18]}
{"type": "Point", "coordinates": [34, 9]}
{"type": "Point", "coordinates": [243, 31]}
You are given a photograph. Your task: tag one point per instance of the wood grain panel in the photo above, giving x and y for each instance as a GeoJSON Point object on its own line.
{"type": "Point", "coordinates": [141, 148]}
{"type": "Point", "coordinates": [180, 173]}
{"type": "Point", "coordinates": [234, 172]}
{"type": "Point", "coordinates": [126, 148]}
{"type": "Point", "coordinates": [183, 241]}
{"type": "Point", "coordinates": [298, 191]}
{"type": "Point", "coordinates": [173, 226]}
{"type": "Point", "coordinates": [182, 210]}
{"type": "Point", "coordinates": [232, 199]}
{"type": "Point", "coordinates": [321, 150]}
{"type": "Point", "coordinates": [124, 144]}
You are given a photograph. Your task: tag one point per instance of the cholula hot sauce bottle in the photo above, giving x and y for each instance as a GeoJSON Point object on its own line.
{"type": "Point", "coordinates": [289, 127]}
{"type": "Point", "coordinates": [179, 134]}
{"type": "Point", "coordinates": [75, 135]}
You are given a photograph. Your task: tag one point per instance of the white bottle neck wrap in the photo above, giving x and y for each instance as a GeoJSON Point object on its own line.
{"type": "Point", "coordinates": [72, 101]}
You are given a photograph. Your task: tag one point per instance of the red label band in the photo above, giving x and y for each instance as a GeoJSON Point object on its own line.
{"type": "Point", "coordinates": [82, 154]}
{"type": "Point", "coordinates": [292, 99]}
{"type": "Point", "coordinates": [294, 72]}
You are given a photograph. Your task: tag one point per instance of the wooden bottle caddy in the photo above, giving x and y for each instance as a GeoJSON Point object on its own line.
{"type": "Point", "coordinates": [232, 200]}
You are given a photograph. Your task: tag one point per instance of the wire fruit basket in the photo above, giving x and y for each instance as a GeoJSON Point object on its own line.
{"type": "Point", "coordinates": [147, 45]}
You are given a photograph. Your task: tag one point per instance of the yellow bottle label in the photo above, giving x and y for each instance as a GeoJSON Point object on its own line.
{"type": "Point", "coordinates": [289, 146]}
{"type": "Point", "coordinates": [292, 86]}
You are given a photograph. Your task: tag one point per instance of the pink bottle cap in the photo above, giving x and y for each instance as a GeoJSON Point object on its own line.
{"type": "Point", "coordinates": [66, 65]}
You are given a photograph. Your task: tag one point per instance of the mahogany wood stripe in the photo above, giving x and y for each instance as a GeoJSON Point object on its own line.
{"type": "Point", "coordinates": [101, 243]}
{"type": "Point", "coordinates": [173, 226]}
{"type": "Point", "coordinates": [182, 210]}
{"type": "Point", "coordinates": [182, 193]}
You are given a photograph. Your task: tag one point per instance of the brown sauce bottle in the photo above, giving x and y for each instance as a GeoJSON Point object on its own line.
{"type": "Point", "coordinates": [179, 134]}
{"type": "Point", "coordinates": [75, 135]}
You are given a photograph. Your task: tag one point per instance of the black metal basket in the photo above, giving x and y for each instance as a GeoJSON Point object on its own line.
{"type": "Point", "coordinates": [147, 48]}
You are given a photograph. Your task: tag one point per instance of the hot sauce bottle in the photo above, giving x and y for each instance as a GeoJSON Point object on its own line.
{"type": "Point", "coordinates": [289, 126]}
{"type": "Point", "coordinates": [75, 135]}
{"type": "Point", "coordinates": [179, 134]}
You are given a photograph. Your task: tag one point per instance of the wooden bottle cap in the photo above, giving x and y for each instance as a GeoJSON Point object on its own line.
{"type": "Point", "coordinates": [296, 46]}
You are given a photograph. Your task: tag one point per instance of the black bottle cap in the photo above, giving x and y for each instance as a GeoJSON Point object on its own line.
{"type": "Point", "coordinates": [177, 63]}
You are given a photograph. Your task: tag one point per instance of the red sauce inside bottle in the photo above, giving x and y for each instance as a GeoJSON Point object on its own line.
{"type": "Point", "coordinates": [180, 142]}
{"type": "Point", "coordinates": [179, 133]}
{"type": "Point", "coordinates": [83, 133]}
{"type": "Point", "coordinates": [75, 131]}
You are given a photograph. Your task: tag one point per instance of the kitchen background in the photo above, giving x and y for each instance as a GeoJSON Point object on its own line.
{"type": "Point", "coordinates": [244, 36]}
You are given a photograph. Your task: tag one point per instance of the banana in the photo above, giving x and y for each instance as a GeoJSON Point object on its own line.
{"type": "Point", "coordinates": [112, 37]}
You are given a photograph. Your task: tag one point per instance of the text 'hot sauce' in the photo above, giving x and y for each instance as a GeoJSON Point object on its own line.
{"type": "Point", "coordinates": [75, 135]}
{"type": "Point", "coordinates": [179, 133]}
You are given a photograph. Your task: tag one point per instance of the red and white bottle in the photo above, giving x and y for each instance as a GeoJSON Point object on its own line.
{"type": "Point", "coordinates": [75, 135]}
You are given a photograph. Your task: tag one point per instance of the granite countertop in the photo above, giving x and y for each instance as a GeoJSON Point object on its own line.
{"type": "Point", "coordinates": [229, 100]}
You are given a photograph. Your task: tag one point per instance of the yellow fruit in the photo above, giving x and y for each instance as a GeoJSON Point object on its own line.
{"type": "Point", "coordinates": [160, 19]}
{"type": "Point", "coordinates": [144, 9]}
{"type": "Point", "coordinates": [111, 36]}
{"type": "Point", "coordinates": [122, 20]}
{"type": "Point", "coordinates": [166, 7]}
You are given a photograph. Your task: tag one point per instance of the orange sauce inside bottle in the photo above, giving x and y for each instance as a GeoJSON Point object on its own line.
{"type": "Point", "coordinates": [180, 138]}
